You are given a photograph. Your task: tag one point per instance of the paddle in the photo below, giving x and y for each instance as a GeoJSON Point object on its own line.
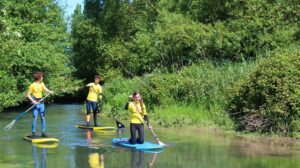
{"type": "Point", "coordinates": [119, 124]}
{"type": "Point", "coordinates": [11, 124]}
{"type": "Point", "coordinates": [155, 136]}
{"type": "Point", "coordinates": [150, 127]}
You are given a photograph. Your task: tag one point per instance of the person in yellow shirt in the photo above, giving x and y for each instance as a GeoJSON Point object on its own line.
{"type": "Point", "coordinates": [35, 94]}
{"type": "Point", "coordinates": [96, 160]}
{"type": "Point", "coordinates": [95, 92]}
{"type": "Point", "coordinates": [138, 116]}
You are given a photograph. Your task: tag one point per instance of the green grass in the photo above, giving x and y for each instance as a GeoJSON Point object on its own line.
{"type": "Point", "coordinates": [196, 95]}
{"type": "Point", "coordinates": [177, 115]}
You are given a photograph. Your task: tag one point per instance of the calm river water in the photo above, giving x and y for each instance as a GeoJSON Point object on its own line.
{"type": "Point", "coordinates": [188, 147]}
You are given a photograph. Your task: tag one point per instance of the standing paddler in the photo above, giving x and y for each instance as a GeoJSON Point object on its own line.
{"type": "Point", "coordinates": [35, 94]}
{"type": "Point", "coordinates": [95, 92]}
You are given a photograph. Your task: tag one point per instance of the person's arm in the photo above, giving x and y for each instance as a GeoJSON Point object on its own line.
{"type": "Point", "coordinates": [100, 92]}
{"type": "Point", "coordinates": [100, 96]}
{"type": "Point", "coordinates": [47, 90]}
{"type": "Point", "coordinates": [144, 112]}
{"type": "Point", "coordinates": [89, 85]}
{"type": "Point", "coordinates": [30, 90]}
{"type": "Point", "coordinates": [146, 119]}
{"type": "Point", "coordinates": [127, 104]}
{"type": "Point", "coordinates": [31, 99]}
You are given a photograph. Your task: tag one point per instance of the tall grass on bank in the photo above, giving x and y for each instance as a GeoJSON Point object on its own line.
{"type": "Point", "coordinates": [176, 115]}
{"type": "Point", "coordinates": [197, 94]}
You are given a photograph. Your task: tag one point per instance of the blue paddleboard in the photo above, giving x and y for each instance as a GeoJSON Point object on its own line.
{"type": "Point", "coordinates": [145, 146]}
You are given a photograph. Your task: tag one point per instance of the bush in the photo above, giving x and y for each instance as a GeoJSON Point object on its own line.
{"type": "Point", "coordinates": [269, 101]}
{"type": "Point", "coordinates": [198, 92]}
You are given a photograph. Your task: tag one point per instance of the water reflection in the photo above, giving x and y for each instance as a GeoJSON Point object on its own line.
{"type": "Point", "coordinates": [39, 156]}
{"type": "Point", "coordinates": [138, 156]}
{"type": "Point", "coordinates": [95, 156]}
{"type": "Point", "coordinates": [138, 159]}
{"type": "Point", "coordinates": [39, 152]}
{"type": "Point", "coordinates": [260, 147]}
{"type": "Point", "coordinates": [96, 160]}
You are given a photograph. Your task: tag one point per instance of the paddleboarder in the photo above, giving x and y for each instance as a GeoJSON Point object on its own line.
{"type": "Point", "coordinates": [138, 116]}
{"type": "Point", "coordinates": [95, 92]}
{"type": "Point", "coordinates": [35, 94]}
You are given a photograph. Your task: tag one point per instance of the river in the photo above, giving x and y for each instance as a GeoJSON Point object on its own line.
{"type": "Point", "coordinates": [188, 147]}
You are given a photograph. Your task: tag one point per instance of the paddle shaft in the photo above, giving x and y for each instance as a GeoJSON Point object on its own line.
{"type": "Point", "coordinates": [19, 116]}
{"type": "Point", "coordinates": [148, 125]}
{"type": "Point", "coordinates": [153, 133]}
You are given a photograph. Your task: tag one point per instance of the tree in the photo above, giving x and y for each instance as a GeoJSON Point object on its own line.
{"type": "Point", "coordinates": [34, 38]}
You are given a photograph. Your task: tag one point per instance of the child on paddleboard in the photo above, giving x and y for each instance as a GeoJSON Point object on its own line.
{"type": "Point", "coordinates": [95, 92]}
{"type": "Point", "coordinates": [138, 116]}
{"type": "Point", "coordinates": [35, 94]}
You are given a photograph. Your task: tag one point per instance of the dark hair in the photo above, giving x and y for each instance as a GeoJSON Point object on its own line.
{"type": "Point", "coordinates": [97, 77]}
{"type": "Point", "coordinates": [135, 93]}
{"type": "Point", "coordinates": [141, 100]}
{"type": "Point", "coordinates": [38, 75]}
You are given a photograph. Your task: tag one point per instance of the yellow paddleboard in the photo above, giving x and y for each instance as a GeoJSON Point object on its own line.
{"type": "Point", "coordinates": [40, 139]}
{"type": "Point", "coordinates": [96, 128]}
{"type": "Point", "coordinates": [46, 145]}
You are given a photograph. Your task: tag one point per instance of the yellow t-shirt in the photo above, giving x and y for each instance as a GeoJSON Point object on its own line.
{"type": "Point", "coordinates": [94, 90]}
{"type": "Point", "coordinates": [36, 89]}
{"type": "Point", "coordinates": [137, 114]}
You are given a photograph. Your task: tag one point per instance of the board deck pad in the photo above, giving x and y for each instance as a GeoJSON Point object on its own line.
{"type": "Point", "coordinates": [40, 139]}
{"type": "Point", "coordinates": [96, 128]}
{"type": "Point", "coordinates": [145, 146]}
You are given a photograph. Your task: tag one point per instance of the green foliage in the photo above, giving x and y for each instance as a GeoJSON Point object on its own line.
{"type": "Point", "coordinates": [242, 29]}
{"type": "Point", "coordinates": [269, 100]}
{"type": "Point", "coordinates": [87, 49]}
{"type": "Point", "coordinates": [187, 52]}
{"type": "Point", "coordinates": [178, 41]}
{"type": "Point", "coordinates": [33, 37]}
{"type": "Point", "coordinates": [194, 95]}
{"type": "Point", "coordinates": [8, 91]}
{"type": "Point", "coordinates": [205, 11]}
{"type": "Point", "coordinates": [179, 115]}
{"type": "Point", "coordinates": [261, 31]}
{"type": "Point", "coordinates": [205, 83]}
{"type": "Point", "coordinates": [144, 36]}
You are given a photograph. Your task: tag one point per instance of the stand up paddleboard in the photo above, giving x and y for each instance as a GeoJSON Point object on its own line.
{"type": "Point", "coordinates": [40, 139]}
{"type": "Point", "coordinates": [146, 146]}
{"type": "Point", "coordinates": [96, 128]}
{"type": "Point", "coordinates": [46, 145]}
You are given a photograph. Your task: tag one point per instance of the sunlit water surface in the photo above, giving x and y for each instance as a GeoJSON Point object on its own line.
{"type": "Point", "coordinates": [188, 148]}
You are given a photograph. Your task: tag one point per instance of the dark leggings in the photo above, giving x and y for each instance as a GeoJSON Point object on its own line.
{"type": "Point", "coordinates": [133, 128]}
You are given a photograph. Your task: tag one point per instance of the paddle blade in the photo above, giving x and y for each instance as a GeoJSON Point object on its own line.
{"type": "Point", "coordinates": [155, 136]}
{"type": "Point", "coordinates": [161, 143]}
{"type": "Point", "coordinates": [119, 124]}
{"type": "Point", "coordinates": [10, 125]}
